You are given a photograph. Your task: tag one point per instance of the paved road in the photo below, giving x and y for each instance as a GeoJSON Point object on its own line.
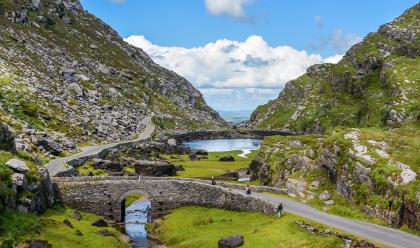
{"type": "Point", "coordinates": [380, 234]}
{"type": "Point", "coordinates": [59, 165]}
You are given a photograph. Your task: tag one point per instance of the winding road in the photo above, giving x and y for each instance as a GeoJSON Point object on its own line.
{"type": "Point", "coordinates": [384, 235]}
{"type": "Point", "coordinates": [57, 166]}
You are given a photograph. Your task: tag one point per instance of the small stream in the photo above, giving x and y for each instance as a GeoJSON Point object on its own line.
{"type": "Point", "coordinates": [136, 217]}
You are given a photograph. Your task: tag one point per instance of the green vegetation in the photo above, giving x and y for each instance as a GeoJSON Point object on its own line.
{"type": "Point", "coordinates": [211, 166]}
{"type": "Point", "coordinates": [17, 228]}
{"type": "Point", "coordinates": [87, 169]}
{"type": "Point", "coordinates": [131, 199]}
{"type": "Point", "coordinates": [202, 227]}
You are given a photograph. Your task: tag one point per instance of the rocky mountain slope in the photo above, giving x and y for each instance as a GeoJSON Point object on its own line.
{"type": "Point", "coordinates": [66, 78]}
{"type": "Point", "coordinates": [360, 126]}
{"type": "Point", "coordinates": [376, 84]}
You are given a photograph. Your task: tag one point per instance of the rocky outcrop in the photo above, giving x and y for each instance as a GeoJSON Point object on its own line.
{"type": "Point", "coordinates": [64, 70]}
{"type": "Point", "coordinates": [375, 84]}
{"type": "Point", "coordinates": [7, 138]}
{"type": "Point", "coordinates": [154, 168]}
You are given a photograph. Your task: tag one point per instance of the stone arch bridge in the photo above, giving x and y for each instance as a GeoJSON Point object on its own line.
{"type": "Point", "coordinates": [106, 195]}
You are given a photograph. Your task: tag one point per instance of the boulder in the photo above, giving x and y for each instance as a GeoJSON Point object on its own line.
{"type": "Point", "coordinates": [295, 186]}
{"type": "Point", "coordinates": [38, 244]}
{"type": "Point", "coordinates": [49, 145]}
{"type": "Point", "coordinates": [172, 142]}
{"type": "Point", "coordinates": [20, 181]}
{"type": "Point", "coordinates": [202, 153]}
{"type": "Point", "coordinates": [100, 223]}
{"type": "Point", "coordinates": [68, 223]}
{"type": "Point", "coordinates": [179, 168]}
{"type": "Point", "coordinates": [7, 138]}
{"type": "Point", "coordinates": [325, 196]}
{"type": "Point", "coordinates": [18, 165]}
{"type": "Point", "coordinates": [329, 202]}
{"type": "Point", "coordinates": [231, 242]}
{"type": "Point", "coordinates": [194, 157]}
{"type": "Point", "coordinates": [154, 168]}
{"type": "Point", "coordinates": [77, 215]}
{"type": "Point", "coordinates": [227, 158]}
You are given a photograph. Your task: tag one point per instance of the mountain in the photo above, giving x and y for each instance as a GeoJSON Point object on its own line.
{"type": "Point", "coordinates": [357, 148]}
{"type": "Point", "coordinates": [376, 84]}
{"type": "Point", "coordinates": [66, 77]}
{"type": "Point", "coordinates": [235, 116]}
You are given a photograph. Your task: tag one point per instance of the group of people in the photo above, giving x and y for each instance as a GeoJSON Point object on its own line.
{"type": "Point", "coordinates": [248, 192]}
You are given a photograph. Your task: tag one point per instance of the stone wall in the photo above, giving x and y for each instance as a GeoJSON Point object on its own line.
{"type": "Point", "coordinates": [105, 195]}
{"type": "Point", "coordinates": [227, 134]}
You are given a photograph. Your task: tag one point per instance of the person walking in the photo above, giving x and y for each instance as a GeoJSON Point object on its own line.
{"type": "Point", "coordinates": [248, 190]}
{"type": "Point", "coordinates": [213, 181]}
{"type": "Point", "coordinates": [279, 209]}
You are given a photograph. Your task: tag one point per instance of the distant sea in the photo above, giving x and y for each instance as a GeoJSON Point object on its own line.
{"type": "Point", "coordinates": [235, 116]}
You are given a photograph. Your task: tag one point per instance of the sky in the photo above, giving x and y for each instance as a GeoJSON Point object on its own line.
{"type": "Point", "coordinates": [241, 53]}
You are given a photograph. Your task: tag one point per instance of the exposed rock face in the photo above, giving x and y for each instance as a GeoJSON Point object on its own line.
{"type": "Point", "coordinates": [64, 70]}
{"type": "Point", "coordinates": [18, 165]}
{"type": "Point", "coordinates": [349, 162]}
{"type": "Point", "coordinates": [155, 168]}
{"type": "Point", "coordinates": [7, 138]}
{"type": "Point", "coordinates": [375, 84]}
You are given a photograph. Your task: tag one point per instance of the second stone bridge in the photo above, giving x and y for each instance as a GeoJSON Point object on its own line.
{"type": "Point", "coordinates": [106, 195]}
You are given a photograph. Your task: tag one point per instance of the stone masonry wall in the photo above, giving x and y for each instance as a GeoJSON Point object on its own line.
{"type": "Point", "coordinates": [104, 196]}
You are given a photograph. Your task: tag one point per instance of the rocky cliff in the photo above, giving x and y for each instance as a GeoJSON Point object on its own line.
{"type": "Point", "coordinates": [375, 84]}
{"type": "Point", "coordinates": [66, 77]}
{"type": "Point", "coordinates": [361, 120]}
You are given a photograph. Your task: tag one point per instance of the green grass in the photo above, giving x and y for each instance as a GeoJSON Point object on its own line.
{"type": "Point", "coordinates": [87, 168]}
{"type": "Point", "coordinates": [131, 199]}
{"type": "Point", "coordinates": [202, 227]}
{"type": "Point", "coordinates": [18, 227]}
{"type": "Point", "coordinates": [206, 168]}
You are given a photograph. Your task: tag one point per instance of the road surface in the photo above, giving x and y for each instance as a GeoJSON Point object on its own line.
{"type": "Point", "coordinates": [384, 235]}
{"type": "Point", "coordinates": [59, 165]}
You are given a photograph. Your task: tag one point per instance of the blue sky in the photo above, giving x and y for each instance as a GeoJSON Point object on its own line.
{"type": "Point", "coordinates": [240, 53]}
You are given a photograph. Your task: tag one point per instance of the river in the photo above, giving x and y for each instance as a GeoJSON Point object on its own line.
{"type": "Point", "coordinates": [136, 216]}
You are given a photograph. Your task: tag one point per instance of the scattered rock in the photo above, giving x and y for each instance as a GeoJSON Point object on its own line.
{"type": "Point", "coordinates": [7, 138]}
{"type": "Point", "coordinates": [295, 143]}
{"type": "Point", "coordinates": [314, 184]}
{"type": "Point", "coordinates": [227, 158]}
{"type": "Point", "coordinates": [295, 186]}
{"type": "Point", "coordinates": [104, 232]}
{"type": "Point", "coordinates": [77, 215]}
{"type": "Point", "coordinates": [18, 165]}
{"type": "Point", "coordinates": [68, 223]}
{"type": "Point", "coordinates": [231, 242]}
{"type": "Point", "coordinates": [179, 168]}
{"type": "Point", "coordinates": [79, 233]}
{"type": "Point", "coordinates": [202, 153]}
{"type": "Point", "coordinates": [325, 196]}
{"type": "Point", "coordinates": [38, 244]}
{"type": "Point", "coordinates": [329, 202]}
{"type": "Point", "coordinates": [194, 157]}
{"type": "Point", "coordinates": [100, 223]}
{"type": "Point", "coordinates": [20, 181]}
{"type": "Point", "coordinates": [172, 142]}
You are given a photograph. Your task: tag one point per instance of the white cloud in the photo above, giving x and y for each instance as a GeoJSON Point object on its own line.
{"type": "Point", "coordinates": [229, 8]}
{"type": "Point", "coordinates": [233, 64]}
{"type": "Point", "coordinates": [342, 42]}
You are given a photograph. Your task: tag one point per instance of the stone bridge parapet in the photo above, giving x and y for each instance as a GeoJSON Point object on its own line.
{"type": "Point", "coordinates": [228, 134]}
{"type": "Point", "coordinates": [106, 195]}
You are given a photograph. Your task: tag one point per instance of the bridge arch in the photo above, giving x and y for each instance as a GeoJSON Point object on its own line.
{"type": "Point", "coordinates": [119, 206]}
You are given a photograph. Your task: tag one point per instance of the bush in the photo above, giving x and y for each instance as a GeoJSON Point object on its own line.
{"type": "Point", "coordinates": [202, 222]}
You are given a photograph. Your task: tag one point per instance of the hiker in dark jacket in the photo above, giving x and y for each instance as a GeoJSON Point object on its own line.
{"type": "Point", "coordinates": [248, 190]}
{"type": "Point", "coordinates": [213, 181]}
{"type": "Point", "coordinates": [279, 209]}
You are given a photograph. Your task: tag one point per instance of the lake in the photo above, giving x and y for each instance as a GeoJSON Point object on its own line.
{"type": "Point", "coordinates": [222, 145]}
